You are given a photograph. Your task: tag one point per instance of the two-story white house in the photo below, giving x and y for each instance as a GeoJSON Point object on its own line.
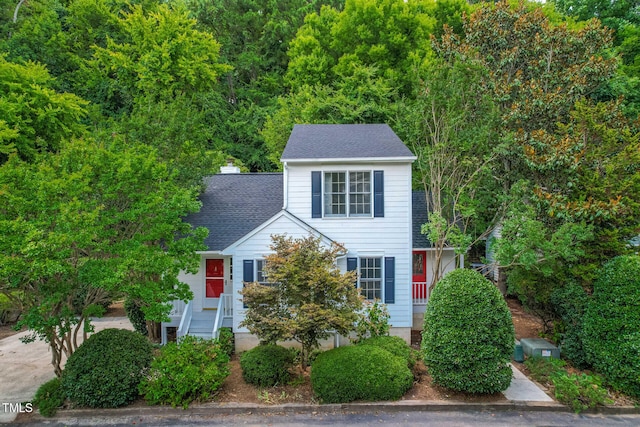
{"type": "Point", "coordinates": [345, 183]}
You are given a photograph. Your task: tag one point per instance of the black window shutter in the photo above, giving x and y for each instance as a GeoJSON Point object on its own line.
{"type": "Point", "coordinates": [389, 280]}
{"type": "Point", "coordinates": [378, 194]}
{"type": "Point", "coordinates": [316, 194]}
{"type": "Point", "coordinates": [352, 265]}
{"type": "Point", "coordinates": [247, 273]}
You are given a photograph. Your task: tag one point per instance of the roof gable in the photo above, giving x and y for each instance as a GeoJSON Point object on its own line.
{"type": "Point", "coordinates": [235, 204]}
{"type": "Point", "coordinates": [335, 141]}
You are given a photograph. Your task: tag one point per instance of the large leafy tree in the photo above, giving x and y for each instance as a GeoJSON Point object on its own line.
{"type": "Point", "coordinates": [91, 220]}
{"type": "Point", "coordinates": [452, 129]}
{"type": "Point", "coordinates": [589, 170]}
{"type": "Point", "coordinates": [162, 55]}
{"type": "Point", "coordinates": [308, 298]}
{"type": "Point", "coordinates": [391, 35]}
{"type": "Point", "coordinates": [255, 37]}
{"type": "Point", "coordinates": [537, 70]}
{"type": "Point", "coordinates": [352, 65]}
{"type": "Point", "coordinates": [34, 117]}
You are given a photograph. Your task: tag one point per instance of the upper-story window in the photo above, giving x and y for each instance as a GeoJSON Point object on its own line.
{"type": "Point", "coordinates": [347, 193]}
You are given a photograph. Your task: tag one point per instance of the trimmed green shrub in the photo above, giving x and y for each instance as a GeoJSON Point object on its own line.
{"type": "Point", "coordinates": [468, 335]}
{"type": "Point", "coordinates": [104, 372]}
{"type": "Point", "coordinates": [612, 324]}
{"type": "Point", "coordinates": [267, 365]}
{"type": "Point", "coordinates": [359, 372]}
{"type": "Point", "coordinates": [569, 304]}
{"type": "Point", "coordinates": [190, 370]}
{"type": "Point", "coordinates": [226, 340]}
{"type": "Point", "coordinates": [394, 345]}
{"type": "Point", "coordinates": [136, 316]}
{"type": "Point", "coordinates": [49, 397]}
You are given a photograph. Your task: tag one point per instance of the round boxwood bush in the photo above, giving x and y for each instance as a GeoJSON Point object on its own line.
{"type": "Point", "coordinates": [468, 334]}
{"type": "Point", "coordinates": [105, 370]}
{"type": "Point", "coordinates": [267, 365]}
{"type": "Point", "coordinates": [359, 372]}
{"type": "Point", "coordinates": [394, 345]}
{"type": "Point", "coordinates": [612, 324]}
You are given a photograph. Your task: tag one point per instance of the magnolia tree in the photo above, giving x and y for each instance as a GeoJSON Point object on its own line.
{"type": "Point", "coordinates": [307, 297]}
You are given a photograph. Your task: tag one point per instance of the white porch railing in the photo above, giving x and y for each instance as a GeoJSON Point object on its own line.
{"type": "Point", "coordinates": [178, 308]}
{"type": "Point", "coordinates": [185, 321]}
{"type": "Point", "coordinates": [225, 311]}
{"type": "Point", "coordinates": [421, 293]}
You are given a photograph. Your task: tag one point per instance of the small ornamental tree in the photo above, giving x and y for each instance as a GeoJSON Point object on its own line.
{"type": "Point", "coordinates": [308, 297]}
{"type": "Point", "coordinates": [468, 335]}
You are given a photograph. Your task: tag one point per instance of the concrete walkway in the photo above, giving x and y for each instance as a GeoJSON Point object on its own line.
{"type": "Point", "coordinates": [24, 367]}
{"type": "Point", "coordinates": [522, 389]}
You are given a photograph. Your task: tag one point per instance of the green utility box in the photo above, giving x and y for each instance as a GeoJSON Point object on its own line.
{"type": "Point", "coordinates": [539, 347]}
{"type": "Point", "coordinates": [518, 354]}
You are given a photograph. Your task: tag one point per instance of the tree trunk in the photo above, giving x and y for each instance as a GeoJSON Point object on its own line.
{"type": "Point", "coordinates": [155, 331]}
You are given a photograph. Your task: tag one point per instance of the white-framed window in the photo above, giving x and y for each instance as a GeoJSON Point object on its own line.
{"type": "Point", "coordinates": [261, 277]}
{"type": "Point", "coordinates": [347, 194]}
{"type": "Point", "coordinates": [370, 278]}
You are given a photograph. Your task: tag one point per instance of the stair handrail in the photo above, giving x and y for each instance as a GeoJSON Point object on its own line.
{"type": "Point", "coordinates": [185, 320]}
{"type": "Point", "coordinates": [215, 333]}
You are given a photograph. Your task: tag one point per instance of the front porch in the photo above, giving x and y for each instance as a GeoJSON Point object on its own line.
{"type": "Point", "coordinates": [205, 323]}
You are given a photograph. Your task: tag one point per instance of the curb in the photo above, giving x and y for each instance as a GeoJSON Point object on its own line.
{"type": "Point", "coordinates": [217, 409]}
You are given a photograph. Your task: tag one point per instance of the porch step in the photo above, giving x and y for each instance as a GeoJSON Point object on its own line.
{"type": "Point", "coordinates": [205, 335]}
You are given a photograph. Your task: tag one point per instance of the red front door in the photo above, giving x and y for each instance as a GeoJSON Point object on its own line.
{"type": "Point", "coordinates": [214, 277]}
{"type": "Point", "coordinates": [419, 275]}
{"type": "Point", "coordinates": [419, 266]}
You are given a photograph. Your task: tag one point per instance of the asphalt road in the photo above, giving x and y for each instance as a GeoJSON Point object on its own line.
{"type": "Point", "coordinates": [392, 419]}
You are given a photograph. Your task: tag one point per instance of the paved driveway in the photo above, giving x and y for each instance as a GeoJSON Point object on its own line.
{"type": "Point", "coordinates": [24, 367]}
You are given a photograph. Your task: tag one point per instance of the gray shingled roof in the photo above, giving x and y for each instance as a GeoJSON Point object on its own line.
{"type": "Point", "coordinates": [235, 204]}
{"type": "Point", "coordinates": [344, 142]}
{"type": "Point", "coordinates": [419, 217]}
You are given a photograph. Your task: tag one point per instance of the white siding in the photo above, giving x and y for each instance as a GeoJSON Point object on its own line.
{"type": "Point", "coordinates": [255, 248]}
{"type": "Point", "coordinates": [389, 236]}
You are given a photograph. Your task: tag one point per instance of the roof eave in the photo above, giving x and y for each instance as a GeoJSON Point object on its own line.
{"type": "Point", "coordinates": [404, 159]}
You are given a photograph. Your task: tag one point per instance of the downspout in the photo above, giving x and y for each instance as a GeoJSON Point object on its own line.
{"type": "Point", "coordinates": [285, 202]}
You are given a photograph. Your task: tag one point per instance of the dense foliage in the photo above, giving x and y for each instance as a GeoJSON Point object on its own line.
{"type": "Point", "coordinates": [359, 372]}
{"type": "Point", "coordinates": [523, 115]}
{"type": "Point", "coordinates": [190, 370]}
{"type": "Point", "coordinates": [579, 391]}
{"type": "Point", "coordinates": [468, 335]}
{"type": "Point", "coordinates": [267, 365]}
{"type": "Point", "coordinates": [93, 220]}
{"type": "Point", "coordinates": [612, 324]}
{"type": "Point", "coordinates": [136, 316]}
{"type": "Point", "coordinates": [49, 397]}
{"type": "Point", "coordinates": [394, 345]}
{"type": "Point", "coordinates": [106, 369]}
